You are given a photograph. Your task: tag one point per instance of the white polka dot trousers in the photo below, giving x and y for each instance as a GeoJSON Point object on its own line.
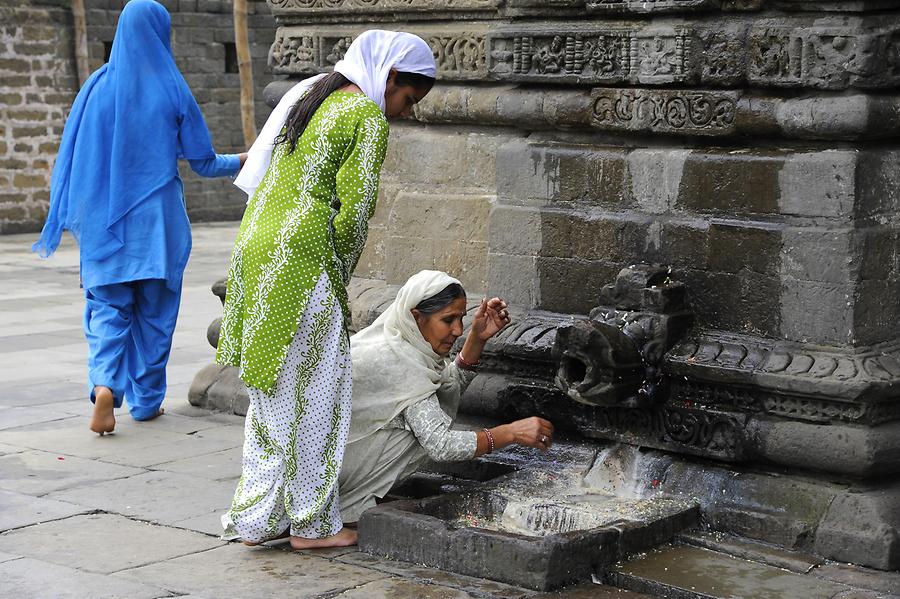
{"type": "Point", "coordinates": [294, 438]}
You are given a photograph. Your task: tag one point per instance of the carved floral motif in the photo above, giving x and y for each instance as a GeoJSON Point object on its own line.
{"type": "Point", "coordinates": [694, 112]}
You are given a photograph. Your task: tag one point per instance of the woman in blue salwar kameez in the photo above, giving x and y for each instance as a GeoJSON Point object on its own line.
{"type": "Point", "coordinates": [115, 187]}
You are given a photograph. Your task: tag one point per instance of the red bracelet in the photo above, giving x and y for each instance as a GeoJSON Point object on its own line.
{"type": "Point", "coordinates": [490, 439]}
{"type": "Point", "coordinates": [465, 364]}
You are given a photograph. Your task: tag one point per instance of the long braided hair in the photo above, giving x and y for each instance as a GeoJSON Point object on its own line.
{"type": "Point", "coordinates": [302, 112]}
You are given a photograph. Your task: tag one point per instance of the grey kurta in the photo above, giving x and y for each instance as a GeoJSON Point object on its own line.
{"type": "Point", "coordinates": [374, 464]}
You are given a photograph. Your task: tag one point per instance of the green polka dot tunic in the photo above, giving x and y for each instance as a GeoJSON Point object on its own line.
{"type": "Point", "coordinates": [293, 231]}
{"type": "Point", "coordinates": [285, 319]}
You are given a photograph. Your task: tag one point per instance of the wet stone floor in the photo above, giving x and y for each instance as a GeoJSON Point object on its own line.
{"type": "Point", "coordinates": [136, 514]}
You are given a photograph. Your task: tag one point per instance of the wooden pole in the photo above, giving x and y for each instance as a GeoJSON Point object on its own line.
{"type": "Point", "coordinates": [245, 69]}
{"type": "Point", "coordinates": [82, 60]}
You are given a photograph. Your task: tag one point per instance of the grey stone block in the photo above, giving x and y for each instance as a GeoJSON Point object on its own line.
{"type": "Point", "coordinates": [863, 528]}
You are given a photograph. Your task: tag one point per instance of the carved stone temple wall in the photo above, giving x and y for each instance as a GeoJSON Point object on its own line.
{"type": "Point", "coordinates": [751, 145]}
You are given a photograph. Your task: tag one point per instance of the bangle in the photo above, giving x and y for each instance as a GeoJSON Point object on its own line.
{"type": "Point", "coordinates": [465, 364]}
{"type": "Point", "coordinates": [490, 439]}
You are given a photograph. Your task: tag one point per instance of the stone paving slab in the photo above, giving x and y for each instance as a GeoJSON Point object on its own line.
{"type": "Point", "coordinates": [18, 509]}
{"type": "Point", "coordinates": [8, 449]}
{"type": "Point", "coordinates": [23, 416]}
{"type": "Point", "coordinates": [26, 341]}
{"type": "Point", "coordinates": [163, 497]}
{"type": "Point", "coordinates": [221, 465]}
{"type": "Point", "coordinates": [114, 543]}
{"type": "Point", "coordinates": [391, 588]}
{"type": "Point", "coordinates": [435, 576]}
{"type": "Point", "coordinates": [29, 578]}
{"type": "Point", "coordinates": [40, 472]}
{"type": "Point", "coordinates": [50, 393]}
{"type": "Point", "coordinates": [186, 445]}
{"type": "Point", "coordinates": [857, 576]}
{"type": "Point", "coordinates": [208, 524]}
{"type": "Point", "coordinates": [239, 572]}
{"type": "Point", "coordinates": [72, 436]}
{"type": "Point", "coordinates": [5, 557]}
{"type": "Point", "coordinates": [683, 571]}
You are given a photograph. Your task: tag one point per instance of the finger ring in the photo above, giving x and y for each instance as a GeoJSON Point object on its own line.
{"type": "Point", "coordinates": [543, 438]}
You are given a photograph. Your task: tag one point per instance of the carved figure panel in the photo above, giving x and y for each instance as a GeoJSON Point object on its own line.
{"type": "Point", "coordinates": [281, 8]}
{"type": "Point", "coordinates": [664, 111]}
{"type": "Point", "coordinates": [613, 55]}
{"type": "Point", "coordinates": [824, 57]}
{"type": "Point", "coordinates": [306, 51]}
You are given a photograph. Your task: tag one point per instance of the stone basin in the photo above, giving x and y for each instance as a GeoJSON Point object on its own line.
{"type": "Point", "coordinates": [534, 529]}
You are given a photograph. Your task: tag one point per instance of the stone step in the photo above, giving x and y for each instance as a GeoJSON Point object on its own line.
{"type": "Point", "coordinates": [685, 572]}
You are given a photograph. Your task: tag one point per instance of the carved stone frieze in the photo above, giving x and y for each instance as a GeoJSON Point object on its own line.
{"type": "Point", "coordinates": [827, 54]}
{"type": "Point", "coordinates": [287, 8]}
{"type": "Point", "coordinates": [308, 51]}
{"type": "Point", "coordinates": [719, 113]}
{"type": "Point", "coordinates": [603, 54]}
{"type": "Point", "coordinates": [824, 56]}
{"type": "Point", "coordinates": [664, 111]}
{"type": "Point", "coordinates": [669, 6]}
{"type": "Point", "coordinates": [875, 365]}
{"type": "Point", "coordinates": [703, 432]}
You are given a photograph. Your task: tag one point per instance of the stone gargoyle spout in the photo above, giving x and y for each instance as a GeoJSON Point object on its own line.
{"type": "Point", "coordinates": [614, 357]}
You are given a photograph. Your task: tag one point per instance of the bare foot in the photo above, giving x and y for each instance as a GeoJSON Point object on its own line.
{"type": "Point", "coordinates": [103, 420]}
{"type": "Point", "coordinates": [283, 535]}
{"type": "Point", "coordinates": [345, 538]}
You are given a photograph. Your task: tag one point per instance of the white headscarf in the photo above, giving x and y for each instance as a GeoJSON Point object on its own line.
{"type": "Point", "coordinates": [393, 365]}
{"type": "Point", "coordinates": [367, 63]}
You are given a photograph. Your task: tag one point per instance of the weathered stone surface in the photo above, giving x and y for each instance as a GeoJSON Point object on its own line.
{"type": "Point", "coordinates": [221, 465]}
{"type": "Point", "coordinates": [473, 586]}
{"type": "Point", "coordinates": [33, 579]}
{"type": "Point", "coordinates": [800, 563]}
{"type": "Point", "coordinates": [116, 543]}
{"type": "Point", "coordinates": [863, 524]}
{"type": "Point", "coordinates": [40, 472]}
{"type": "Point", "coordinates": [729, 113]}
{"type": "Point", "coordinates": [246, 573]}
{"type": "Point", "coordinates": [18, 510]}
{"type": "Point", "coordinates": [695, 573]}
{"type": "Point", "coordinates": [162, 497]}
{"type": "Point", "coordinates": [864, 578]}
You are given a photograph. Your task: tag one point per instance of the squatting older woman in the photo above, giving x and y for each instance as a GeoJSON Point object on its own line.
{"type": "Point", "coordinates": [406, 390]}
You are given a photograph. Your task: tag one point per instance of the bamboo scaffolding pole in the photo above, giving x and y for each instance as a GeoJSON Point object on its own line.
{"type": "Point", "coordinates": [245, 70]}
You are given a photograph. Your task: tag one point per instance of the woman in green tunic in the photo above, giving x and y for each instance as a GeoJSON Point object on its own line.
{"type": "Point", "coordinates": [313, 179]}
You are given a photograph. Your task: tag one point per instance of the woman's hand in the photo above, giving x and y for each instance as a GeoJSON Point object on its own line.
{"type": "Point", "coordinates": [243, 158]}
{"type": "Point", "coordinates": [491, 316]}
{"type": "Point", "coordinates": [532, 432]}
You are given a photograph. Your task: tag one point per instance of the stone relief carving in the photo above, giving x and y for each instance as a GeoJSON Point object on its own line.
{"type": "Point", "coordinates": [613, 358]}
{"type": "Point", "coordinates": [825, 57]}
{"type": "Point", "coordinates": [664, 111]}
{"type": "Point", "coordinates": [764, 55]}
{"type": "Point", "coordinates": [301, 51]}
{"type": "Point", "coordinates": [613, 55]}
{"type": "Point", "coordinates": [301, 6]}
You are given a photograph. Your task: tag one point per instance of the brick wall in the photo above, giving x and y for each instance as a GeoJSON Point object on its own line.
{"type": "Point", "coordinates": [38, 84]}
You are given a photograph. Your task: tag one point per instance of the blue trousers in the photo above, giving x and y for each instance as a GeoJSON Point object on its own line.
{"type": "Point", "coordinates": [129, 329]}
